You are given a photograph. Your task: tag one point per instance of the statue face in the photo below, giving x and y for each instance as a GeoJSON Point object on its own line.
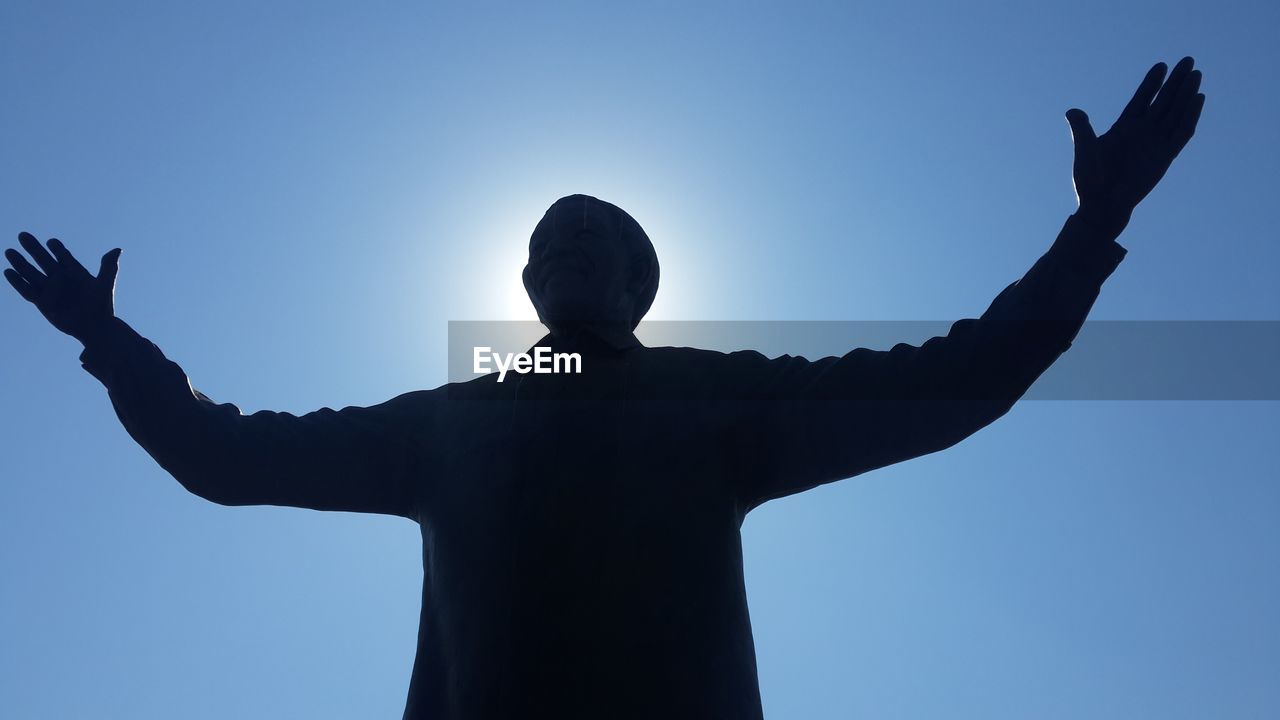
{"type": "Point", "coordinates": [580, 269]}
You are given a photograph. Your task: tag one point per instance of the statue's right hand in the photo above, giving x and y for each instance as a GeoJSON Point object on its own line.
{"type": "Point", "coordinates": [71, 299]}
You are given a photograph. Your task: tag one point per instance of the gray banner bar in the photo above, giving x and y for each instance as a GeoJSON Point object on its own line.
{"type": "Point", "coordinates": [1109, 360]}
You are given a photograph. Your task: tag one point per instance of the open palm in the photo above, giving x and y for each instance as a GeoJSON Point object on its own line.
{"type": "Point", "coordinates": [1115, 171]}
{"type": "Point", "coordinates": [71, 299]}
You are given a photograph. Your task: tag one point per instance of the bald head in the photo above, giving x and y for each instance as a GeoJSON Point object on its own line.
{"type": "Point", "coordinates": [590, 263]}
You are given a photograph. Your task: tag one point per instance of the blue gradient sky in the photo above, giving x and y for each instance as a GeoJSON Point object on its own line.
{"type": "Point", "coordinates": [306, 193]}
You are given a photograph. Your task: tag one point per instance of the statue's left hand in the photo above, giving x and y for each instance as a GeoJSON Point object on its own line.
{"type": "Point", "coordinates": [1114, 171]}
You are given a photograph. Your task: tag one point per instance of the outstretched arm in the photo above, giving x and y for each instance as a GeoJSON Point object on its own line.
{"type": "Point", "coordinates": [360, 459]}
{"type": "Point", "coordinates": [820, 421]}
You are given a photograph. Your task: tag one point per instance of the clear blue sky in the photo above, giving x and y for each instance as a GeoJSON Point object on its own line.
{"type": "Point", "coordinates": [306, 193]}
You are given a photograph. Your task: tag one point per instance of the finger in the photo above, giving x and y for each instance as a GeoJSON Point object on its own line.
{"type": "Point", "coordinates": [1081, 130]}
{"type": "Point", "coordinates": [1146, 91]}
{"type": "Point", "coordinates": [22, 286]}
{"type": "Point", "coordinates": [1187, 124]}
{"type": "Point", "coordinates": [1165, 99]}
{"type": "Point", "coordinates": [25, 269]}
{"type": "Point", "coordinates": [64, 256]}
{"type": "Point", "coordinates": [38, 253]}
{"type": "Point", "coordinates": [110, 267]}
{"type": "Point", "coordinates": [1182, 100]}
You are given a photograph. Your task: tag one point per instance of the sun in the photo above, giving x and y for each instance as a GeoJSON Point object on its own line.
{"type": "Point", "coordinates": [507, 251]}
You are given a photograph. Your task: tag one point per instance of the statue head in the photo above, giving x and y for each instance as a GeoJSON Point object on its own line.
{"type": "Point", "coordinates": [590, 266]}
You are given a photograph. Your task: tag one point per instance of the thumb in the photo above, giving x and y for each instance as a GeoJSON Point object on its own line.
{"type": "Point", "coordinates": [110, 267]}
{"type": "Point", "coordinates": [1081, 131]}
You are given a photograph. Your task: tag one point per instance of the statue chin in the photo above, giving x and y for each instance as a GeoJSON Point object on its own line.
{"type": "Point", "coordinates": [569, 323]}
{"type": "Point", "coordinates": [568, 312]}
{"type": "Point", "coordinates": [565, 326]}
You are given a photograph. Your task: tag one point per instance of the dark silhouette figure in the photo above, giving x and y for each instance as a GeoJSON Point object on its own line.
{"type": "Point", "coordinates": [581, 543]}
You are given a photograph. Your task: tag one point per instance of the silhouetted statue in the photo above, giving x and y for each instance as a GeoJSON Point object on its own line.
{"type": "Point", "coordinates": [581, 543]}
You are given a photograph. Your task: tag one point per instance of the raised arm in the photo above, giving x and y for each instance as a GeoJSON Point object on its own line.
{"type": "Point", "coordinates": [359, 459]}
{"type": "Point", "coordinates": [815, 422]}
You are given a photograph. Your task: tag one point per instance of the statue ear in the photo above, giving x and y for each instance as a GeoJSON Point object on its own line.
{"type": "Point", "coordinates": [641, 271]}
{"type": "Point", "coordinates": [527, 277]}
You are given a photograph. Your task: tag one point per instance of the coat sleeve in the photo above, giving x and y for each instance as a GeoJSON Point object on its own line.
{"type": "Point", "coordinates": [813, 422]}
{"type": "Point", "coordinates": [358, 459]}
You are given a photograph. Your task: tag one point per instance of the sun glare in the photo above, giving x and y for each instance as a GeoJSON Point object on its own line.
{"type": "Point", "coordinates": [498, 270]}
